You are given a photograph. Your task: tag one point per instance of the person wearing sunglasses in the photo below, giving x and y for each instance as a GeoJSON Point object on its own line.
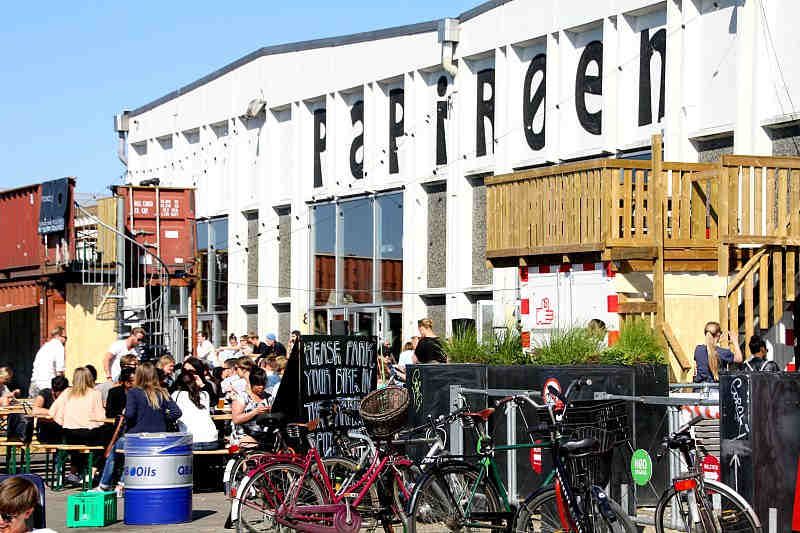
{"type": "Point", "coordinates": [18, 499]}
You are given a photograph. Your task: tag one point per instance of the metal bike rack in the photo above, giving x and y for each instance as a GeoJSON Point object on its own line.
{"type": "Point", "coordinates": [457, 440]}
{"type": "Point", "coordinates": [673, 404]}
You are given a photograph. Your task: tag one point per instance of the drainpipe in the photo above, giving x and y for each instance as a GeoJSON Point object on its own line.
{"type": "Point", "coordinates": [121, 127]}
{"type": "Point", "coordinates": [448, 36]}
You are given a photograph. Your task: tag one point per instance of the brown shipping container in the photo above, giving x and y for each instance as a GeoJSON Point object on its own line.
{"type": "Point", "coordinates": [164, 219]}
{"type": "Point", "coordinates": [25, 248]}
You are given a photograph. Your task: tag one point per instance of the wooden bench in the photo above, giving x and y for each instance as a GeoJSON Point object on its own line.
{"type": "Point", "coordinates": [11, 447]}
{"type": "Point", "coordinates": [55, 477]}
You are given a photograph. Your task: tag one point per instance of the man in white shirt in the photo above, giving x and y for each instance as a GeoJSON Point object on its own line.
{"type": "Point", "coordinates": [49, 362]}
{"type": "Point", "coordinates": [118, 349]}
{"type": "Point", "coordinates": [205, 350]}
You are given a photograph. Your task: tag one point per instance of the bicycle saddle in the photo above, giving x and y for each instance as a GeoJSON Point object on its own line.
{"type": "Point", "coordinates": [575, 447]}
{"type": "Point", "coordinates": [310, 426]}
{"type": "Point", "coordinates": [482, 415]}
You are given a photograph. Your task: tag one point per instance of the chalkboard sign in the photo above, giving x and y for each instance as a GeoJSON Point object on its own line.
{"type": "Point", "coordinates": [336, 367]}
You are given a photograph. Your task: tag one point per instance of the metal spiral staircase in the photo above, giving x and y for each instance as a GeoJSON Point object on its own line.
{"type": "Point", "coordinates": [135, 280]}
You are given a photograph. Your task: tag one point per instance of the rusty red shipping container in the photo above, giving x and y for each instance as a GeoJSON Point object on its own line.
{"type": "Point", "coordinates": [25, 250]}
{"type": "Point", "coordinates": [163, 218]}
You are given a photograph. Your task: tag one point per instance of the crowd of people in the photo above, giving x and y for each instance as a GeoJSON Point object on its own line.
{"type": "Point", "coordinates": [155, 396]}
{"type": "Point", "coordinates": [148, 397]}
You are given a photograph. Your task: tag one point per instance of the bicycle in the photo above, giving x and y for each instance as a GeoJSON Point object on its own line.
{"type": "Point", "coordinates": [307, 494]}
{"type": "Point", "coordinates": [459, 496]}
{"type": "Point", "coordinates": [702, 505]}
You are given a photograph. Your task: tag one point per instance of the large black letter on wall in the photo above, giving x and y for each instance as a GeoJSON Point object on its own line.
{"type": "Point", "coordinates": [530, 106]}
{"type": "Point", "coordinates": [589, 84]}
{"type": "Point", "coordinates": [441, 115]}
{"type": "Point", "coordinates": [356, 116]}
{"type": "Point", "coordinates": [396, 128]}
{"type": "Point", "coordinates": [319, 144]}
{"type": "Point", "coordinates": [657, 44]}
{"type": "Point", "coordinates": [485, 110]}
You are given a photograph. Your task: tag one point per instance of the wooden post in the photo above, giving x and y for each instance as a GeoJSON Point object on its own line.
{"type": "Point", "coordinates": [657, 213]}
{"type": "Point", "coordinates": [723, 251]}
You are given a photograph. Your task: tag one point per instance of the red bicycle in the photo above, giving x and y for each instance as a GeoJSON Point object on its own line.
{"type": "Point", "coordinates": [328, 495]}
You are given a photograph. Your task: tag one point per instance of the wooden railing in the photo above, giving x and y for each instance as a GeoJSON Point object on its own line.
{"type": "Point", "coordinates": [765, 283]}
{"type": "Point", "coordinates": [594, 205]}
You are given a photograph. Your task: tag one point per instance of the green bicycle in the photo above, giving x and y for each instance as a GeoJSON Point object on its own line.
{"type": "Point", "coordinates": [455, 495]}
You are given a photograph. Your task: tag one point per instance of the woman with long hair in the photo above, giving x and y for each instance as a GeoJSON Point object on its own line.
{"type": "Point", "coordinates": [148, 409]}
{"type": "Point", "coordinates": [195, 365]}
{"type": "Point", "coordinates": [78, 411]}
{"type": "Point", "coordinates": [196, 416]}
{"type": "Point", "coordinates": [710, 358]}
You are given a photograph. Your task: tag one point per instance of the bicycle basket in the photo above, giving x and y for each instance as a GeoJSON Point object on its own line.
{"type": "Point", "coordinates": [384, 411]}
{"type": "Point", "coordinates": [593, 468]}
{"type": "Point", "coordinates": [611, 416]}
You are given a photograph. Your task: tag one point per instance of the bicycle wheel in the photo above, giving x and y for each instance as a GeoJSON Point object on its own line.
{"type": "Point", "coordinates": [403, 487]}
{"type": "Point", "coordinates": [726, 505]}
{"type": "Point", "coordinates": [442, 497]}
{"type": "Point", "coordinates": [266, 491]}
{"type": "Point", "coordinates": [541, 515]}
{"type": "Point", "coordinates": [238, 467]}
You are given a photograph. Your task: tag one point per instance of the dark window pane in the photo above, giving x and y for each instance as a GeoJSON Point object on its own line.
{"type": "Point", "coordinates": [221, 301]}
{"type": "Point", "coordinates": [324, 254]}
{"type": "Point", "coordinates": [390, 229]}
{"type": "Point", "coordinates": [202, 236]}
{"type": "Point", "coordinates": [357, 250]}
{"type": "Point", "coordinates": [220, 226]}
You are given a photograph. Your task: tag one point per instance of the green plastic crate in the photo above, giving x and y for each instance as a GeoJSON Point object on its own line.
{"type": "Point", "coordinates": [92, 509]}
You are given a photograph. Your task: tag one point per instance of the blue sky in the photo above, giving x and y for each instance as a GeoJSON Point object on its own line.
{"type": "Point", "coordinates": [68, 67]}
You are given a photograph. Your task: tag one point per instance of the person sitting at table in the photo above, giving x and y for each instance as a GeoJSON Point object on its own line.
{"type": "Point", "coordinates": [126, 361]}
{"type": "Point", "coordinates": [77, 411]}
{"type": "Point", "coordinates": [18, 500]}
{"type": "Point", "coordinates": [193, 364]}
{"type": "Point", "coordinates": [239, 381]}
{"type": "Point", "coordinates": [47, 431]}
{"type": "Point", "coordinates": [148, 409]}
{"type": "Point", "coordinates": [196, 419]}
{"type": "Point", "coordinates": [246, 408]}
{"type": "Point", "coordinates": [117, 396]}
{"type": "Point", "coordinates": [6, 395]}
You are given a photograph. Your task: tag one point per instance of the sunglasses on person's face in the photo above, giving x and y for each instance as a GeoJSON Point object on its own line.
{"type": "Point", "coordinates": [6, 519]}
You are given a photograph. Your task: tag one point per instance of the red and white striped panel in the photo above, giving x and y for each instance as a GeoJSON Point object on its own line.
{"type": "Point", "coordinates": [709, 412]}
{"type": "Point", "coordinates": [564, 267]}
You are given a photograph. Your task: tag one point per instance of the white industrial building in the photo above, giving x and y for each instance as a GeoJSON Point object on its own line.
{"type": "Point", "coordinates": [342, 178]}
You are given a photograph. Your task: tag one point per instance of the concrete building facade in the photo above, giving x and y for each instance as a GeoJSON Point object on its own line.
{"type": "Point", "coordinates": [342, 178]}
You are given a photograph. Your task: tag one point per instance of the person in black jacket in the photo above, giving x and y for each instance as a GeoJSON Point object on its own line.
{"type": "Point", "coordinates": [758, 360]}
{"type": "Point", "coordinates": [429, 347]}
{"type": "Point", "coordinates": [117, 396]}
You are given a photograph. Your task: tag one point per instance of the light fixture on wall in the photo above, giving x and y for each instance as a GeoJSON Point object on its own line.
{"type": "Point", "coordinates": [255, 107]}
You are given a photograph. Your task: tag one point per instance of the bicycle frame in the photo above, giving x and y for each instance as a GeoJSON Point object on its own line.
{"type": "Point", "coordinates": [307, 517]}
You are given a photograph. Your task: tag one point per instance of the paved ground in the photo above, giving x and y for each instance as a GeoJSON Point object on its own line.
{"type": "Point", "coordinates": [209, 513]}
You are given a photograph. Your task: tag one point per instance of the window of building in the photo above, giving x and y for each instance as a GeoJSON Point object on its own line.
{"type": "Point", "coordinates": [357, 250]}
{"type": "Point", "coordinates": [212, 244]}
{"type": "Point", "coordinates": [324, 230]}
{"type": "Point", "coordinates": [390, 250]}
{"type": "Point", "coordinates": [358, 262]}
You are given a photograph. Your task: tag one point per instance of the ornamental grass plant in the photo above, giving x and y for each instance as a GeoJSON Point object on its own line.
{"type": "Point", "coordinates": [638, 343]}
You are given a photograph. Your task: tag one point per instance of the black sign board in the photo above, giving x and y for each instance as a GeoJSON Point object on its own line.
{"type": "Point", "coordinates": [336, 367]}
{"type": "Point", "coordinates": [53, 209]}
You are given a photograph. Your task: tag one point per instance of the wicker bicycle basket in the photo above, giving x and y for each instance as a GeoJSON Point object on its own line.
{"type": "Point", "coordinates": [384, 411]}
{"type": "Point", "coordinates": [593, 468]}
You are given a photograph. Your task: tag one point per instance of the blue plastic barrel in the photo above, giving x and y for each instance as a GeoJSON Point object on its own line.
{"type": "Point", "coordinates": [158, 478]}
